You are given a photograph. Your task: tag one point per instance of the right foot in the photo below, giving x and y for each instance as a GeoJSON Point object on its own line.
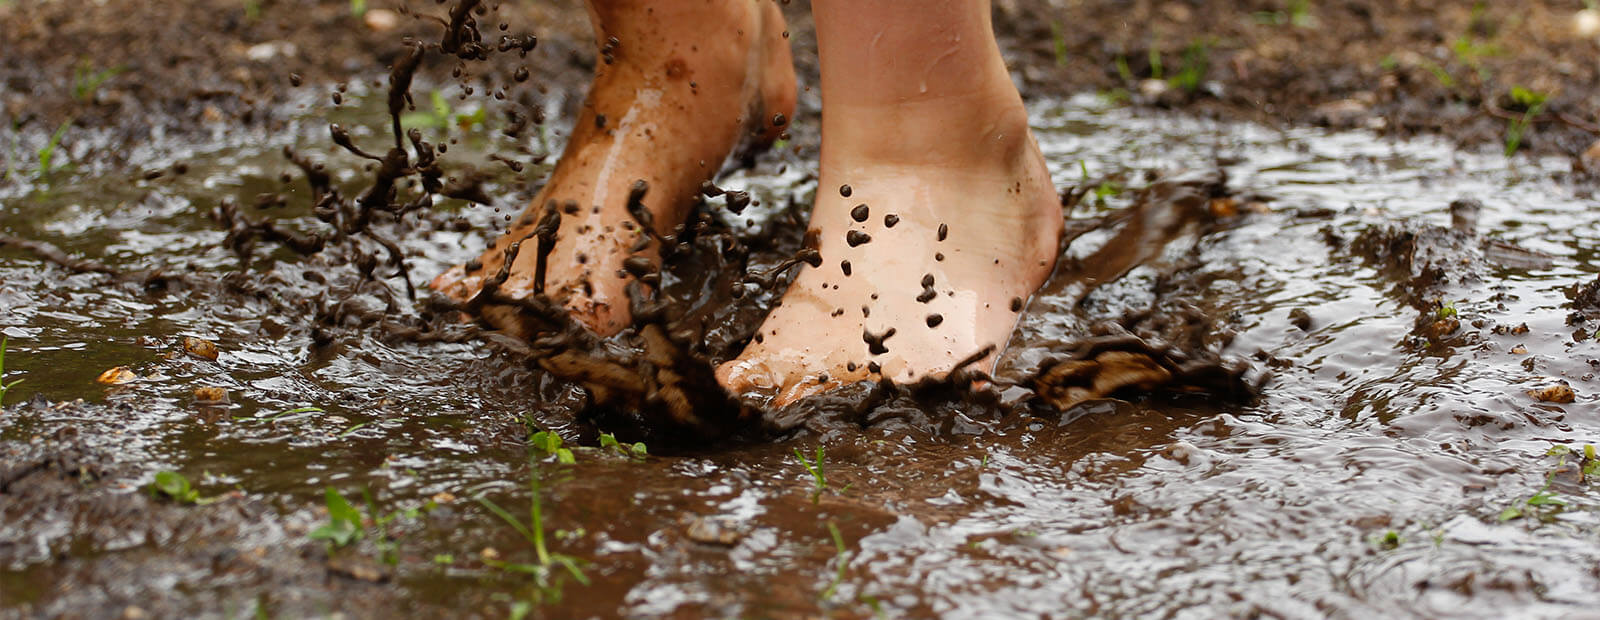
{"type": "Point", "coordinates": [926, 261]}
{"type": "Point", "coordinates": [682, 87]}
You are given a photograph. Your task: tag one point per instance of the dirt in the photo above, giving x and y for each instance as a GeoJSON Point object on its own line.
{"type": "Point", "coordinates": [1281, 374]}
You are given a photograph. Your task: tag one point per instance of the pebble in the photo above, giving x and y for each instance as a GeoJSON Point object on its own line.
{"type": "Point", "coordinates": [1586, 23]}
{"type": "Point", "coordinates": [381, 20]}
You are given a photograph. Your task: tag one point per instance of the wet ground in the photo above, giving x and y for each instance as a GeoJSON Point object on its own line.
{"type": "Point", "coordinates": [1395, 462]}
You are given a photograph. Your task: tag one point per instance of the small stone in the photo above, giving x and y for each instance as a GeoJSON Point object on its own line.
{"type": "Point", "coordinates": [860, 213]}
{"type": "Point", "coordinates": [117, 376]}
{"type": "Point", "coordinates": [1558, 393]}
{"type": "Point", "coordinates": [934, 320]}
{"type": "Point", "coordinates": [1586, 23]}
{"type": "Point", "coordinates": [856, 237]}
{"type": "Point", "coordinates": [210, 396]}
{"type": "Point", "coordinates": [381, 20]}
{"type": "Point", "coordinates": [200, 347]}
{"type": "Point", "coordinates": [712, 531]}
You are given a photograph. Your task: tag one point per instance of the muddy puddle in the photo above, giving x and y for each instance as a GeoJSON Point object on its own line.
{"type": "Point", "coordinates": [1395, 462]}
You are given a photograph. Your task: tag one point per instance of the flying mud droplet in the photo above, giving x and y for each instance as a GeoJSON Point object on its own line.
{"type": "Point", "coordinates": [600, 123]}
{"type": "Point", "coordinates": [844, 266]}
{"type": "Point", "coordinates": [856, 237]}
{"type": "Point", "coordinates": [737, 201]}
{"type": "Point", "coordinates": [944, 231]}
{"type": "Point", "coordinates": [844, 190]}
{"type": "Point", "coordinates": [860, 213]}
{"type": "Point", "coordinates": [934, 320]}
{"type": "Point", "coordinates": [938, 256]}
{"type": "Point", "coordinates": [1016, 304]}
{"type": "Point", "coordinates": [810, 257]}
{"type": "Point", "coordinates": [890, 220]}
{"type": "Point", "coordinates": [926, 296]}
{"type": "Point", "coordinates": [295, 79]}
{"type": "Point", "coordinates": [875, 342]}
{"type": "Point", "coordinates": [927, 280]}
{"type": "Point", "coordinates": [338, 99]}
{"type": "Point", "coordinates": [709, 189]}
{"type": "Point", "coordinates": [874, 368]}
{"type": "Point", "coordinates": [778, 120]}
{"type": "Point", "coordinates": [521, 75]}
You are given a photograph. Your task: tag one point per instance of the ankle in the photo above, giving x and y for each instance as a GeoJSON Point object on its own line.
{"type": "Point", "coordinates": [985, 131]}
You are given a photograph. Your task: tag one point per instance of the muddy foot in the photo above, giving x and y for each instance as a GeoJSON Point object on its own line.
{"type": "Point", "coordinates": [667, 105]}
{"type": "Point", "coordinates": [929, 255]}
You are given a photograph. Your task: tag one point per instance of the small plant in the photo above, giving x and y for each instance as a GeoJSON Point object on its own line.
{"type": "Point", "coordinates": [1447, 310]}
{"type": "Point", "coordinates": [1544, 503]}
{"type": "Point", "coordinates": [1532, 105]}
{"type": "Point", "coordinates": [1297, 14]}
{"type": "Point", "coordinates": [841, 560]}
{"type": "Point", "coordinates": [252, 9]}
{"type": "Point", "coordinates": [1439, 73]}
{"type": "Point", "coordinates": [85, 80]}
{"type": "Point", "coordinates": [1123, 71]}
{"type": "Point", "coordinates": [358, 7]}
{"type": "Point", "coordinates": [281, 414]}
{"type": "Point", "coordinates": [1196, 63]}
{"type": "Point", "coordinates": [550, 444]}
{"type": "Point", "coordinates": [633, 450]}
{"type": "Point", "coordinates": [1060, 41]}
{"type": "Point", "coordinates": [47, 153]}
{"type": "Point", "coordinates": [344, 521]}
{"type": "Point", "coordinates": [1390, 540]}
{"type": "Point", "coordinates": [1106, 188]}
{"type": "Point", "coordinates": [177, 488]}
{"type": "Point", "coordinates": [4, 387]}
{"type": "Point", "coordinates": [441, 116]}
{"type": "Point", "coordinates": [546, 578]}
{"type": "Point", "coordinates": [819, 476]}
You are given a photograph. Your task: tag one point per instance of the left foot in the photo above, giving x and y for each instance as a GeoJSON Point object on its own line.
{"type": "Point", "coordinates": [982, 181]}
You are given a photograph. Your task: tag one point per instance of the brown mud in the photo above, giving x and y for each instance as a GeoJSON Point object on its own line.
{"type": "Point", "coordinates": [1117, 463]}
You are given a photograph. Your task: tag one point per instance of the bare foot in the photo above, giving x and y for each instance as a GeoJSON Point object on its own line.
{"type": "Point", "coordinates": [928, 258]}
{"type": "Point", "coordinates": [677, 89]}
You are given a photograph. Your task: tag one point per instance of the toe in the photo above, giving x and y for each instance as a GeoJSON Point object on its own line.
{"type": "Point", "coordinates": [751, 377]}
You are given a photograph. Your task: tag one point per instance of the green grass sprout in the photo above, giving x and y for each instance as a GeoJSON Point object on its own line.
{"type": "Point", "coordinates": [5, 387]}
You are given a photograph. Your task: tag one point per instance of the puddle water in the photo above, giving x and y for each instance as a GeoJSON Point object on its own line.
{"type": "Point", "coordinates": [1370, 477]}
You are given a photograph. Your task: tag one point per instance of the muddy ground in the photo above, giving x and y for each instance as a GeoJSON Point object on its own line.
{"type": "Point", "coordinates": [1404, 457]}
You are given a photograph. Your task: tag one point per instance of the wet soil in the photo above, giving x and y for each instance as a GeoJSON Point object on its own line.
{"type": "Point", "coordinates": [1409, 313]}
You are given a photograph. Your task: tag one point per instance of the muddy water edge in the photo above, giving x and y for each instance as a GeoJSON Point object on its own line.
{"type": "Point", "coordinates": [1403, 458]}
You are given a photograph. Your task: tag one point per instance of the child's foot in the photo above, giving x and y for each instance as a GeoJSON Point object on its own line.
{"type": "Point", "coordinates": [677, 88]}
{"type": "Point", "coordinates": [949, 224]}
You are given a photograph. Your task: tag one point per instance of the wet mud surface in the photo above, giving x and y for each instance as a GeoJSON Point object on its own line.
{"type": "Point", "coordinates": [1320, 374]}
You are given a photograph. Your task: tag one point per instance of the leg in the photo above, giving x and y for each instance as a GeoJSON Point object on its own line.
{"type": "Point", "coordinates": [667, 105]}
{"type": "Point", "coordinates": [960, 222]}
